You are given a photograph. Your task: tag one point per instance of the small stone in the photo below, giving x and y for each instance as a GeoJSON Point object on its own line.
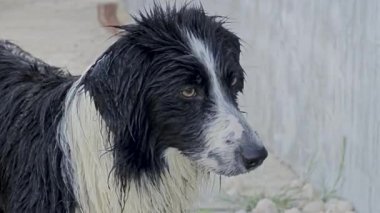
{"type": "Point", "coordinates": [331, 205]}
{"type": "Point", "coordinates": [308, 191]}
{"type": "Point", "coordinates": [314, 206]}
{"type": "Point", "coordinates": [296, 184]}
{"type": "Point", "coordinates": [344, 206]}
{"type": "Point", "coordinates": [293, 210]}
{"type": "Point", "coordinates": [265, 206]}
{"type": "Point", "coordinates": [338, 206]}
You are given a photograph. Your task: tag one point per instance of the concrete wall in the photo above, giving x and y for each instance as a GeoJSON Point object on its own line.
{"type": "Point", "coordinates": [313, 85]}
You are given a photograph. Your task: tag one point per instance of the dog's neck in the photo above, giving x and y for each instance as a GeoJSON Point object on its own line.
{"type": "Point", "coordinates": [84, 137]}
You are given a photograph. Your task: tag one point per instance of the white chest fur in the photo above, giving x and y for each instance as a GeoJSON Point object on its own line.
{"type": "Point", "coordinates": [82, 135]}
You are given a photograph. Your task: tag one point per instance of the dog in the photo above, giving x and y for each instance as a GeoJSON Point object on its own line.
{"type": "Point", "coordinates": [140, 131]}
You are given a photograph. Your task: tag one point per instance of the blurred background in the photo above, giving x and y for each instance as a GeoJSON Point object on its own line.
{"type": "Point", "coordinates": [312, 90]}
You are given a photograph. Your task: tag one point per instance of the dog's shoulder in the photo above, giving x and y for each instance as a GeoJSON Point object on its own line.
{"type": "Point", "coordinates": [13, 57]}
{"type": "Point", "coordinates": [9, 50]}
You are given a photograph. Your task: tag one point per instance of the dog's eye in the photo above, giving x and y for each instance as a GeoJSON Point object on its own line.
{"type": "Point", "coordinates": [234, 81]}
{"type": "Point", "coordinates": [189, 92]}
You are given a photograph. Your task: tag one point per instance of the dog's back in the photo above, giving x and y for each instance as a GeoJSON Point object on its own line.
{"type": "Point", "coordinates": [32, 95]}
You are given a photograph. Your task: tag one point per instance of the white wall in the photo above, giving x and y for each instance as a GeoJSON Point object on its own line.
{"type": "Point", "coordinates": [314, 82]}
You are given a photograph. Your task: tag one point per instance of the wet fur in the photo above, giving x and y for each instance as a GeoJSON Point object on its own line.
{"type": "Point", "coordinates": [32, 96]}
{"type": "Point", "coordinates": [97, 143]}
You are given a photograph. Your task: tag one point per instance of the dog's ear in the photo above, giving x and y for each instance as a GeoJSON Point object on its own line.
{"type": "Point", "coordinates": [121, 94]}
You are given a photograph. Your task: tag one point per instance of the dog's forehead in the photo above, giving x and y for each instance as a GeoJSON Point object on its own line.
{"type": "Point", "coordinates": [214, 47]}
{"type": "Point", "coordinates": [201, 51]}
{"type": "Point", "coordinates": [173, 35]}
{"type": "Point", "coordinates": [213, 60]}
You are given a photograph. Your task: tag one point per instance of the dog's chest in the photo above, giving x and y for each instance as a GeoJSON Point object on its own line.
{"type": "Point", "coordinates": [97, 191]}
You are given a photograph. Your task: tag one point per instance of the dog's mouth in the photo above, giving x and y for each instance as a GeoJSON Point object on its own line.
{"type": "Point", "coordinates": [239, 171]}
{"type": "Point", "coordinates": [232, 169]}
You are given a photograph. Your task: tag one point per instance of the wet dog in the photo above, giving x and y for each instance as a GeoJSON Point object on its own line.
{"type": "Point", "coordinates": [139, 132]}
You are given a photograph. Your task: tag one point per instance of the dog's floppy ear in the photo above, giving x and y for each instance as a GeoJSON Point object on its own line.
{"type": "Point", "coordinates": [119, 88]}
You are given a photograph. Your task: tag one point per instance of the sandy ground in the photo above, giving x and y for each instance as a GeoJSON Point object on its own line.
{"type": "Point", "coordinates": [67, 34]}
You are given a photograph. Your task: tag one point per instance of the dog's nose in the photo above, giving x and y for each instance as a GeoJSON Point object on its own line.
{"type": "Point", "coordinates": [253, 156]}
{"type": "Point", "coordinates": [252, 152]}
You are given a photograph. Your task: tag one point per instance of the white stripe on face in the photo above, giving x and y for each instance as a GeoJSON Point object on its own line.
{"type": "Point", "coordinates": [226, 125]}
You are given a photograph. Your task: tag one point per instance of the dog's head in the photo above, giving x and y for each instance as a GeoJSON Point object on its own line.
{"type": "Point", "coordinates": [173, 79]}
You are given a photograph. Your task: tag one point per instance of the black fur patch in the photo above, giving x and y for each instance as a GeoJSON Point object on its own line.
{"type": "Point", "coordinates": [32, 95]}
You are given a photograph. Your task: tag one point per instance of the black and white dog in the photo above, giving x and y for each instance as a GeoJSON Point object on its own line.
{"type": "Point", "coordinates": [138, 132]}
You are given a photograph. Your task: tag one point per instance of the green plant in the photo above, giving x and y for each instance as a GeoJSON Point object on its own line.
{"type": "Point", "coordinates": [310, 167]}
{"type": "Point", "coordinates": [331, 193]}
